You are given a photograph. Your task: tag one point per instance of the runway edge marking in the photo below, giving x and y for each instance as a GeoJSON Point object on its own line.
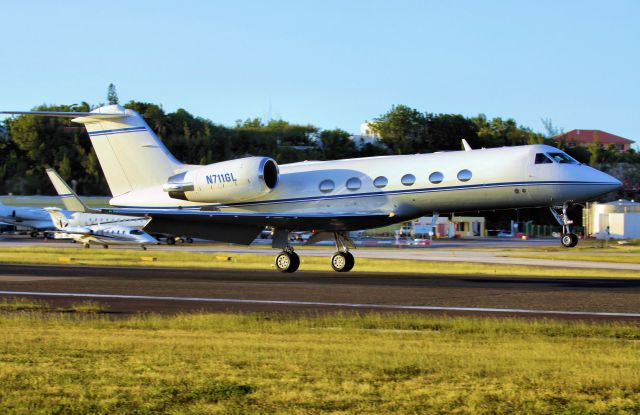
{"type": "Point", "coordinates": [322, 304]}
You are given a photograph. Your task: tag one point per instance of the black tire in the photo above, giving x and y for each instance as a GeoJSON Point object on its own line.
{"type": "Point", "coordinates": [351, 261]}
{"type": "Point", "coordinates": [171, 241]}
{"type": "Point", "coordinates": [287, 262]}
{"type": "Point", "coordinates": [569, 240]}
{"type": "Point", "coordinates": [342, 261]}
{"type": "Point", "coordinates": [189, 240]}
{"type": "Point", "coordinates": [34, 234]}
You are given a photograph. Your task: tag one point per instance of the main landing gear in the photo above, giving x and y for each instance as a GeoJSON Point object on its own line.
{"type": "Point", "coordinates": [343, 260]}
{"type": "Point", "coordinates": [288, 261]}
{"type": "Point", "coordinates": [567, 239]}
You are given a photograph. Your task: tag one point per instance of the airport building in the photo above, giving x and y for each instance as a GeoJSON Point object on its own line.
{"type": "Point", "coordinates": [616, 220]}
{"type": "Point", "coordinates": [585, 138]}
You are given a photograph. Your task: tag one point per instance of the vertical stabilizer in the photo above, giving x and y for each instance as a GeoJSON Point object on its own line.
{"type": "Point", "coordinates": [131, 155]}
{"type": "Point", "coordinates": [60, 221]}
{"type": "Point", "coordinates": [71, 201]}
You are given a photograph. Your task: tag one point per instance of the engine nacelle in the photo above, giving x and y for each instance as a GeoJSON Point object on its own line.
{"type": "Point", "coordinates": [225, 182]}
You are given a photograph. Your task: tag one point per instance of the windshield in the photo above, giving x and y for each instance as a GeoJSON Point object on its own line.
{"type": "Point", "coordinates": [562, 158]}
{"type": "Point", "coordinates": [542, 158]}
{"type": "Point", "coordinates": [136, 232]}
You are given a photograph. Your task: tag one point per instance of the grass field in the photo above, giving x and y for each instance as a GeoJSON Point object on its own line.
{"type": "Point", "coordinates": [69, 363]}
{"type": "Point", "coordinates": [121, 257]}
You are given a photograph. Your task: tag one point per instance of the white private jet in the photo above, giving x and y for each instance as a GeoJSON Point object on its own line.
{"type": "Point", "coordinates": [232, 201]}
{"type": "Point", "coordinates": [81, 215]}
{"type": "Point", "coordinates": [36, 219]}
{"type": "Point", "coordinates": [100, 234]}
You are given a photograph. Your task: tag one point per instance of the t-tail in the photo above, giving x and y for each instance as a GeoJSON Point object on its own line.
{"type": "Point", "coordinates": [71, 200]}
{"type": "Point", "coordinates": [131, 155]}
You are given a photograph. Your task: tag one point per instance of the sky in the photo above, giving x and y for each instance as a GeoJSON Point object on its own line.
{"type": "Point", "coordinates": [332, 63]}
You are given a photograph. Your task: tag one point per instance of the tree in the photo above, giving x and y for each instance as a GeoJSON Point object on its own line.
{"type": "Point", "coordinates": [402, 129]}
{"type": "Point", "coordinates": [112, 95]}
{"type": "Point", "coordinates": [336, 144]}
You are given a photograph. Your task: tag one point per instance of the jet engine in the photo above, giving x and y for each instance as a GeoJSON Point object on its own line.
{"type": "Point", "coordinates": [225, 182]}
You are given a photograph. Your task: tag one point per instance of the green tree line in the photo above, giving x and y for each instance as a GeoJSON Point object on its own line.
{"type": "Point", "coordinates": [35, 143]}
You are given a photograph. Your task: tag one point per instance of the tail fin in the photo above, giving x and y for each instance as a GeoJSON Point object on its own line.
{"type": "Point", "coordinates": [131, 155]}
{"type": "Point", "coordinates": [58, 218]}
{"type": "Point", "coordinates": [71, 201]}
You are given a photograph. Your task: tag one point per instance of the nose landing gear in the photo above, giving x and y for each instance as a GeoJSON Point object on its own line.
{"type": "Point", "coordinates": [568, 239]}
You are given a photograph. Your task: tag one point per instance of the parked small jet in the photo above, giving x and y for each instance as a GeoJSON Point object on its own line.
{"type": "Point", "coordinates": [232, 201]}
{"type": "Point", "coordinates": [99, 234]}
{"type": "Point", "coordinates": [36, 219]}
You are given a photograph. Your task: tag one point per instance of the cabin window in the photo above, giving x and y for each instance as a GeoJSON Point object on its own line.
{"type": "Point", "coordinates": [436, 177]}
{"type": "Point", "coordinates": [354, 183]}
{"type": "Point", "coordinates": [562, 158]}
{"type": "Point", "coordinates": [464, 175]}
{"type": "Point", "coordinates": [542, 158]}
{"type": "Point", "coordinates": [381, 182]}
{"type": "Point", "coordinates": [408, 179]}
{"type": "Point", "coordinates": [327, 186]}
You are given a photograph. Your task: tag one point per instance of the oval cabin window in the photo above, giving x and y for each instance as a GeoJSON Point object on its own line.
{"type": "Point", "coordinates": [354, 183]}
{"type": "Point", "coordinates": [408, 179]}
{"type": "Point", "coordinates": [326, 186]}
{"type": "Point", "coordinates": [464, 175]}
{"type": "Point", "coordinates": [380, 182]}
{"type": "Point", "coordinates": [436, 177]}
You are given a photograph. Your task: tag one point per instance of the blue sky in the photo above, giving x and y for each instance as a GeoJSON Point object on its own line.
{"type": "Point", "coordinates": [332, 63]}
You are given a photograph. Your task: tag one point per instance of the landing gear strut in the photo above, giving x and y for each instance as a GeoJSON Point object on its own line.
{"type": "Point", "coordinates": [287, 261]}
{"type": "Point", "coordinates": [568, 239]}
{"type": "Point", "coordinates": [343, 260]}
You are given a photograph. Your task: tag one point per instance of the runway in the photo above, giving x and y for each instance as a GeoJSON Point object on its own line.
{"type": "Point", "coordinates": [128, 290]}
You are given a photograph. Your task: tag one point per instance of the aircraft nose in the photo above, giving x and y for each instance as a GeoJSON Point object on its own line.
{"type": "Point", "coordinates": [611, 182]}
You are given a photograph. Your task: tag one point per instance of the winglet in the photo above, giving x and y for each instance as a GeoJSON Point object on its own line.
{"type": "Point", "coordinates": [466, 145]}
{"type": "Point", "coordinates": [70, 199]}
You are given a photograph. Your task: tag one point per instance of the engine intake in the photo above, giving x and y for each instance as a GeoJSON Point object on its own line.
{"type": "Point", "coordinates": [225, 182]}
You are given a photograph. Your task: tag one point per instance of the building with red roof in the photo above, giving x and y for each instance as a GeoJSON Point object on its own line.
{"type": "Point", "coordinates": [584, 138]}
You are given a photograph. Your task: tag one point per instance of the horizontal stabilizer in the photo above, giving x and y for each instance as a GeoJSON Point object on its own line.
{"type": "Point", "coordinates": [66, 114]}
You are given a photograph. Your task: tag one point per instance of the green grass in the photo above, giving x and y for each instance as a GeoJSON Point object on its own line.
{"type": "Point", "coordinates": [627, 259]}
{"type": "Point", "coordinates": [341, 363]}
{"type": "Point", "coordinates": [90, 307]}
{"type": "Point", "coordinates": [131, 258]}
{"type": "Point", "coordinates": [22, 304]}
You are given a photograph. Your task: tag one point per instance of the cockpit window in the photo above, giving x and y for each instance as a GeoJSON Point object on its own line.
{"type": "Point", "coordinates": [562, 158]}
{"type": "Point", "coordinates": [136, 232]}
{"type": "Point", "coordinates": [542, 158]}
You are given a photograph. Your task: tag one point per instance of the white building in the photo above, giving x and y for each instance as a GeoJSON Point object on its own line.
{"type": "Point", "coordinates": [620, 219]}
{"type": "Point", "coordinates": [366, 136]}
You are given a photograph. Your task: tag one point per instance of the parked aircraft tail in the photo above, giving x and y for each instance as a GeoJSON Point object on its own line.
{"type": "Point", "coordinates": [131, 155]}
{"type": "Point", "coordinates": [58, 217]}
{"type": "Point", "coordinates": [71, 201]}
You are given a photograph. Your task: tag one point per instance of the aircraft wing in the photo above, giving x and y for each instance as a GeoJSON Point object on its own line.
{"type": "Point", "coordinates": [244, 227]}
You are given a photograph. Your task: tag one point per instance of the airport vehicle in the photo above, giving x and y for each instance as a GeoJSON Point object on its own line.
{"type": "Point", "coordinates": [35, 219]}
{"type": "Point", "coordinates": [232, 201]}
{"type": "Point", "coordinates": [100, 234]}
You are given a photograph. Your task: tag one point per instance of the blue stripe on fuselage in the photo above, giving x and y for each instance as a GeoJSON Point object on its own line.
{"type": "Point", "coordinates": [373, 194]}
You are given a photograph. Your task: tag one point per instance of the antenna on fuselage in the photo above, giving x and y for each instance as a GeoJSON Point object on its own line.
{"type": "Point", "coordinates": [466, 145]}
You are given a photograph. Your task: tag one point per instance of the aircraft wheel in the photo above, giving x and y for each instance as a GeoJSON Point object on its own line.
{"type": "Point", "coordinates": [342, 261]}
{"type": "Point", "coordinates": [569, 240]}
{"type": "Point", "coordinates": [171, 241]}
{"type": "Point", "coordinates": [144, 248]}
{"type": "Point", "coordinates": [105, 246]}
{"type": "Point", "coordinates": [189, 240]}
{"type": "Point", "coordinates": [287, 262]}
{"type": "Point", "coordinates": [87, 246]}
{"type": "Point", "coordinates": [34, 234]}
